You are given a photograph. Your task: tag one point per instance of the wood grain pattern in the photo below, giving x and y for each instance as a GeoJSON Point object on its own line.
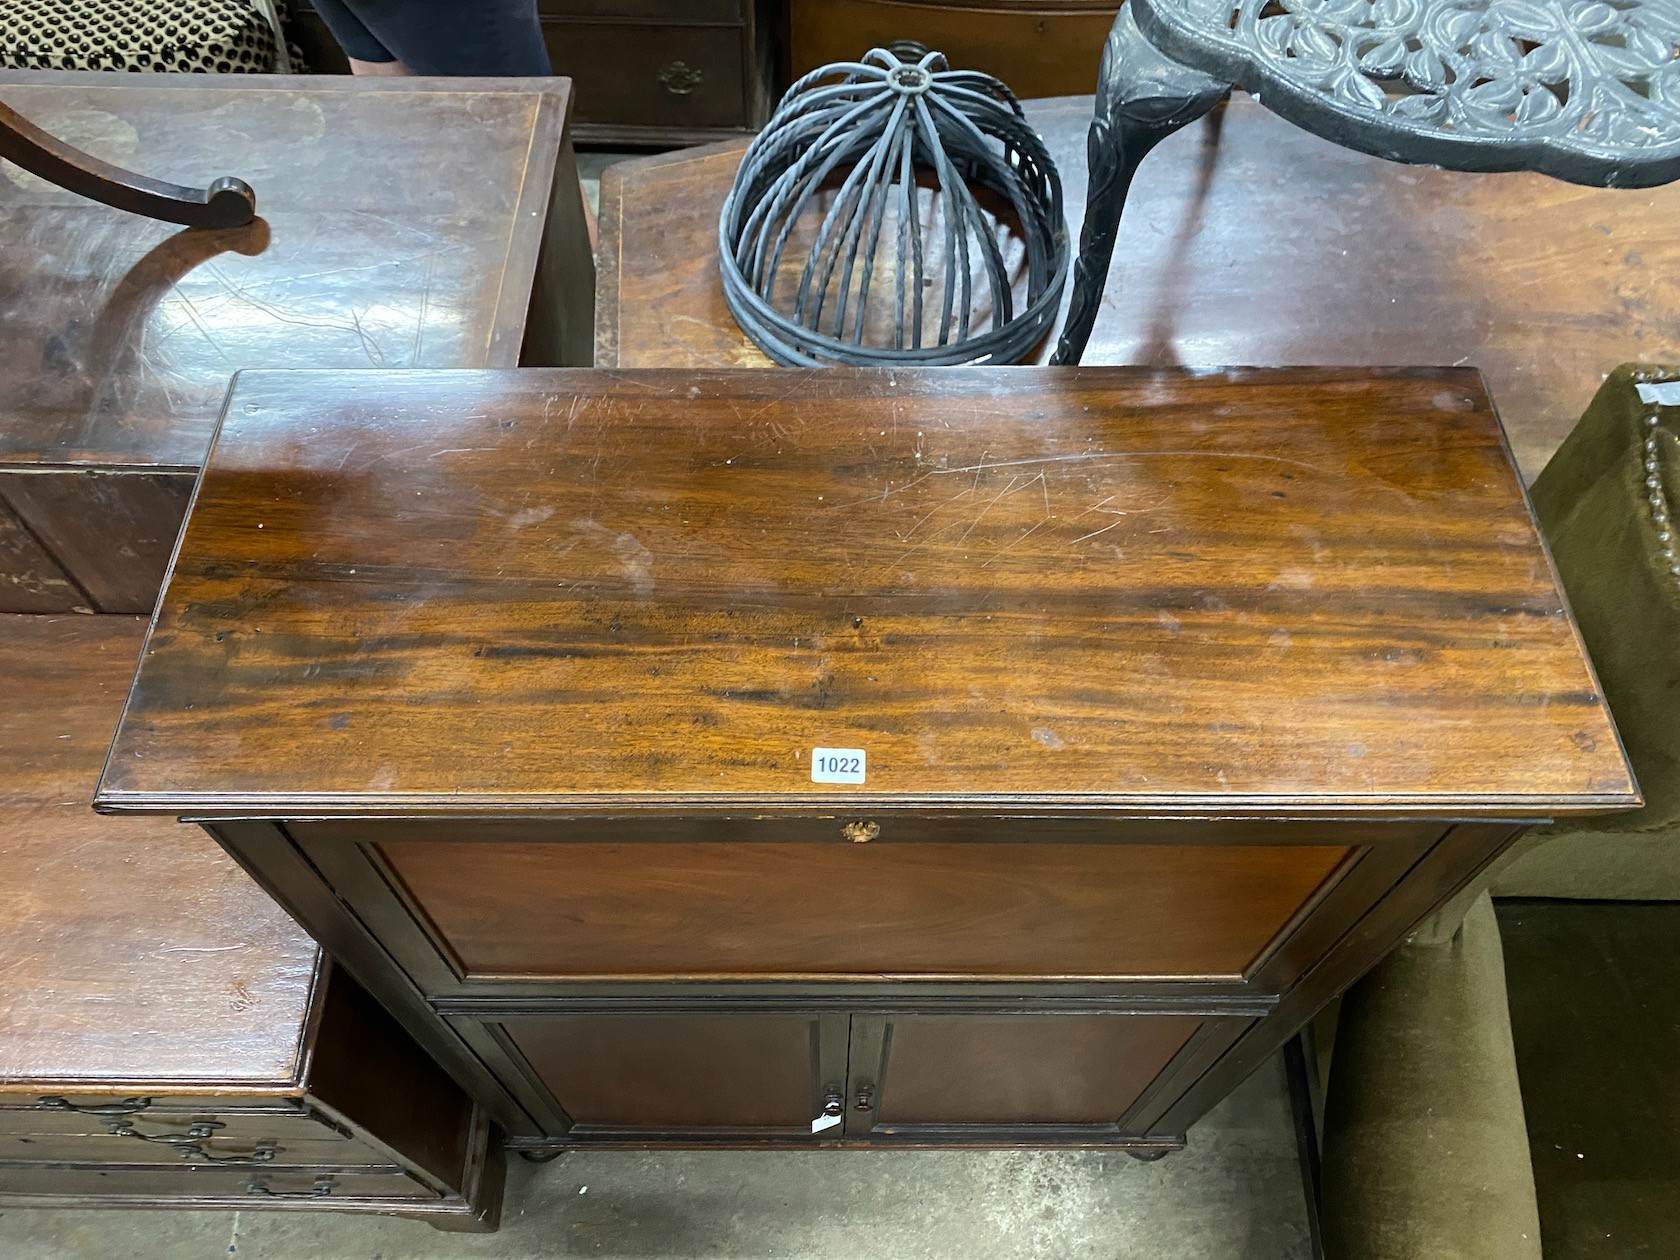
{"type": "Point", "coordinates": [967, 1069]}
{"type": "Point", "coordinates": [1037, 47]}
{"type": "Point", "coordinates": [137, 952]}
{"type": "Point", "coordinates": [1255, 244]}
{"type": "Point", "coordinates": [591, 910]}
{"type": "Point", "coordinates": [31, 580]}
{"type": "Point", "coordinates": [1262, 593]}
{"type": "Point", "coordinates": [118, 335]}
{"type": "Point", "coordinates": [112, 530]}
{"type": "Point", "coordinates": [676, 1070]}
{"type": "Point", "coordinates": [142, 963]}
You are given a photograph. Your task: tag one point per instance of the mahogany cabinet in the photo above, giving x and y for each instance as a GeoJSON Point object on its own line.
{"type": "Point", "coordinates": [1165, 703]}
{"type": "Point", "coordinates": [401, 223]}
{"type": "Point", "coordinates": [168, 1037]}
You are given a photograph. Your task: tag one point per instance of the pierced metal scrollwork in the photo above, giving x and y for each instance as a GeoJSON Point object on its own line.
{"type": "Point", "coordinates": [1584, 90]}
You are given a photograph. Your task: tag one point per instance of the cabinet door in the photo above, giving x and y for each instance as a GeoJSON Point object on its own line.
{"type": "Point", "coordinates": [687, 1076]}
{"type": "Point", "coordinates": [1001, 1078]}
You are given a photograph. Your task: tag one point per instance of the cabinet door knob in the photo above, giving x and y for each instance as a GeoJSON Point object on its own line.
{"type": "Point", "coordinates": [833, 1103]}
{"type": "Point", "coordinates": [865, 1099]}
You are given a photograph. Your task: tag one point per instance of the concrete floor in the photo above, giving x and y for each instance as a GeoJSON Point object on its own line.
{"type": "Point", "coordinates": [1233, 1194]}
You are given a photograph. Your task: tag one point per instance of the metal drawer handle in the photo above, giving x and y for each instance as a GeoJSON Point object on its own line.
{"type": "Point", "coordinates": [680, 79]}
{"type": "Point", "coordinates": [191, 1143]}
{"type": "Point", "coordinates": [127, 1107]}
{"type": "Point", "coordinates": [321, 1189]}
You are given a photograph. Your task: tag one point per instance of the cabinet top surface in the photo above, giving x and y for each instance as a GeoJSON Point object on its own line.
{"type": "Point", "coordinates": [1251, 591]}
{"type": "Point", "coordinates": [399, 225]}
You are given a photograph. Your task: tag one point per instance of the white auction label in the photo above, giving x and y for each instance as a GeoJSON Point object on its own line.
{"type": "Point", "coordinates": [837, 765]}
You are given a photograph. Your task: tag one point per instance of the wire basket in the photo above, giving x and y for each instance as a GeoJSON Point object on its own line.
{"type": "Point", "coordinates": [874, 172]}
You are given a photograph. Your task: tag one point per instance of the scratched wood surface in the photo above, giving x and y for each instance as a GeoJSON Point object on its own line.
{"type": "Point", "coordinates": [1258, 592]}
{"type": "Point", "coordinates": [401, 224]}
{"type": "Point", "coordinates": [1254, 244]}
{"type": "Point", "coordinates": [136, 952]}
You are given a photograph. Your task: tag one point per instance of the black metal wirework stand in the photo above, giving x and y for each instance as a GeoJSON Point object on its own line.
{"type": "Point", "coordinates": [1590, 95]}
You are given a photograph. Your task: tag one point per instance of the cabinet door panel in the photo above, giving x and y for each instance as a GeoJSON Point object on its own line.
{"type": "Point", "coordinates": [1000, 1072]}
{"type": "Point", "coordinates": [674, 1072]}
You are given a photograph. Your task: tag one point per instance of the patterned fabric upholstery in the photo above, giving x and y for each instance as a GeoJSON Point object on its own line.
{"type": "Point", "coordinates": [179, 36]}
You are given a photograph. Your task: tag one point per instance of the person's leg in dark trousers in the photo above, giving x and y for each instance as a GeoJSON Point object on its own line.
{"type": "Point", "coordinates": [446, 37]}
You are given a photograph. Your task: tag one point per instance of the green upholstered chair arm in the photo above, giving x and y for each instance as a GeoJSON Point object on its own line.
{"type": "Point", "coordinates": [1605, 502]}
{"type": "Point", "coordinates": [1425, 1148]}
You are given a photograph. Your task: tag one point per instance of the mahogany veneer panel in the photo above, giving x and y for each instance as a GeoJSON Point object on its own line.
{"type": "Point", "coordinates": [1248, 591]}
{"type": "Point", "coordinates": [592, 909]}
{"type": "Point", "coordinates": [1257, 244]}
{"type": "Point", "coordinates": [677, 1070]}
{"type": "Point", "coordinates": [966, 1069]}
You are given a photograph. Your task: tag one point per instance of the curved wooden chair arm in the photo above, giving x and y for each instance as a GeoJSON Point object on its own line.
{"type": "Point", "coordinates": [227, 202]}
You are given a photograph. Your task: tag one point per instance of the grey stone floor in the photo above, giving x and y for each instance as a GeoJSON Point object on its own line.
{"type": "Point", "coordinates": [1233, 1194]}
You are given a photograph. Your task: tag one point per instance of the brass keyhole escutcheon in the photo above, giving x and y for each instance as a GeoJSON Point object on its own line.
{"type": "Point", "coordinates": [861, 831]}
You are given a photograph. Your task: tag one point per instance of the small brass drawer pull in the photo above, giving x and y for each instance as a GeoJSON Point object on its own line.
{"type": "Point", "coordinates": [861, 831]}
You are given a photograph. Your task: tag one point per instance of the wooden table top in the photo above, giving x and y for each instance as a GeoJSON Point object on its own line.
{"type": "Point", "coordinates": [138, 956]}
{"type": "Point", "coordinates": [1254, 592]}
{"type": "Point", "coordinates": [1269, 246]}
{"type": "Point", "coordinates": [399, 225]}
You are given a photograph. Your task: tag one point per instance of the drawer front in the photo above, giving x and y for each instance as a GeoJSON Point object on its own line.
{"type": "Point", "coordinates": [258, 1187]}
{"type": "Point", "coordinates": [655, 76]}
{"type": "Point", "coordinates": [621, 11]}
{"type": "Point", "coordinates": [248, 1127]}
{"type": "Point", "coordinates": [503, 911]}
{"type": "Point", "coordinates": [201, 1147]}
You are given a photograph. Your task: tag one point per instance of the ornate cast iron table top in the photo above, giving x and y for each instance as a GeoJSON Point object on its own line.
{"type": "Point", "coordinates": [1584, 90]}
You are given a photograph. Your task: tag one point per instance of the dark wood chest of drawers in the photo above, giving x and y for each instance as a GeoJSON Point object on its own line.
{"type": "Point", "coordinates": [998, 757]}
{"type": "Point", "coordinates": [168, 1037]}
{"type": "Point", "coordinates": [664, 71]}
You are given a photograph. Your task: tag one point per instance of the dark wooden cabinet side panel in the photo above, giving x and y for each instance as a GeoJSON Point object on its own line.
{"type": "Point", "coordinates": [112, 532]}
{"type": "Point", "coordinates": [269, 857]}
{"type": "Point", "coordinates": [1462, 854]}
{"type": "Point", "coordinates": [377, 899]}
{"type": "Point", "coordinates": [369, 1071]}
{"type": "Point", "coordinates": [1365, 879]}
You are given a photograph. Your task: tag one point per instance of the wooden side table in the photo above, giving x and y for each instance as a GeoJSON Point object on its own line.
{"type": "Point", "coordinates": [403, 223]}
{"type": "Point", "coordinates": [1366, 262]}
{"type": "Point", "coordinates": [168, 1037]}
{"type": "Point", "coordinates": [998, 757]}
